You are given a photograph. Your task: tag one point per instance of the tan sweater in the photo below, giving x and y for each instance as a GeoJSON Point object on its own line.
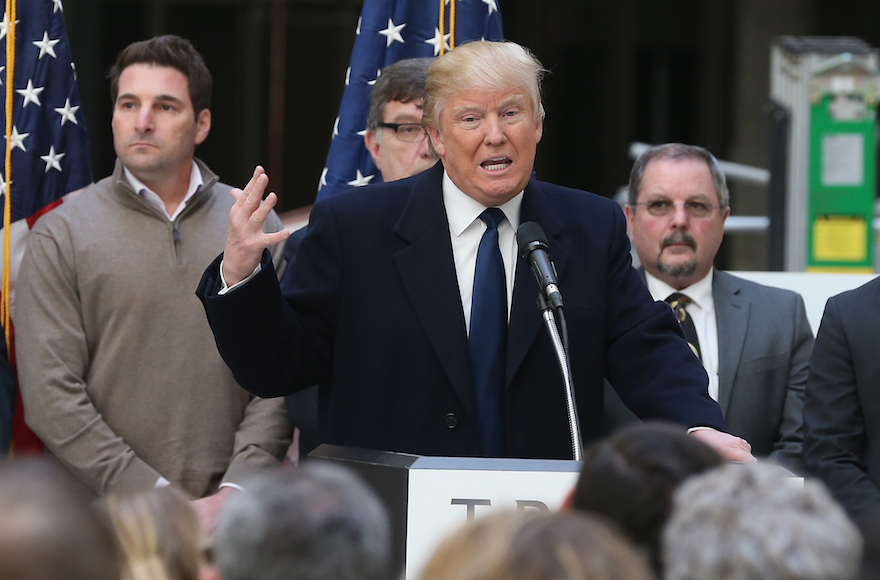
{"type": "Point", "coordinates": [120, 376]}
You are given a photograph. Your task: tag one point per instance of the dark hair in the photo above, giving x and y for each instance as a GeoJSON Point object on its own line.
{"type": "Point", "coordinates": [171, 51]}
{"type": "Point", "coordinates": [401, 81]}
{"type": "Point", "coordinates": [677, 152]}
{"type": "Point", "coordinates": [631, 476]}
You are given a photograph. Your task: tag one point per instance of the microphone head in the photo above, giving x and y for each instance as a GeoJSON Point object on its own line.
{"type": "Point", "coordinates": [530, 237]}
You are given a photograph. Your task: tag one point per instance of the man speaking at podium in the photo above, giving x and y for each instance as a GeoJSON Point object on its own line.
{"type": "Point", "coordinates": [410, 308]}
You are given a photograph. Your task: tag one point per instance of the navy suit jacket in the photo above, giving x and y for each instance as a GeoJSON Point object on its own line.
{"type": "Point", "coordinates": [372, 314]}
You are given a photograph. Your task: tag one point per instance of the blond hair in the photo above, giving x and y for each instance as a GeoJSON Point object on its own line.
{"type": "Point", "coordinates": [533, 545]}
{"type": "Point", "coordinates": [159, 535]}
{"type": "Point", "coordinates": [482, 66]}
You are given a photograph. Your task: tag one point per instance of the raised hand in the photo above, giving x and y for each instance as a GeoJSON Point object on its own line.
{"type": "Point", "coordinates": [246, 239]}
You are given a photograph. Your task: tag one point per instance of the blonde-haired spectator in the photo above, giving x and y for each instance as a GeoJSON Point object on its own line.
{"type": "Point", "coordinates": [159, 535]}
{"type": "Point", "coordinates": [536, 546]}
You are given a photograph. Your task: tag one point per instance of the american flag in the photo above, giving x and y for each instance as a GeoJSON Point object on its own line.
{"type": "Point", "coordinates": [47, 138]}
{"type": "Point", "coordinates": [388, 31]}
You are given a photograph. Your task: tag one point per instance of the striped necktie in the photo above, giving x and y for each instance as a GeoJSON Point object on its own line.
{"type": "Point", "coordinates": [679, 303]}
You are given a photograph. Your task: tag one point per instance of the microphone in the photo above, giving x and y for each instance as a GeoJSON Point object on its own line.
{"type": "Point", "coordinates": [533, 248]}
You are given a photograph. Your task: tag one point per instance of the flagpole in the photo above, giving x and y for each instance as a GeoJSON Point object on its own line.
{"type": "Point", "coordinates": [7, 200]}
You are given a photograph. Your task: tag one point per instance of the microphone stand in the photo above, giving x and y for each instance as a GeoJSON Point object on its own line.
{"type": "Point", "coordinates": [560, 345]}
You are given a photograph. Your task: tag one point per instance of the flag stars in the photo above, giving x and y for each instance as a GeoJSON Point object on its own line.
{"type": "Point", "coordinates": [31, 94]}
{"type": "Point", "coordinates": [322, 182]}
{"type": "Point", "coordinates": [392, 33]}
{"type": "Point", "coordinates": [58, 6]}
{"type": "Point", "coordinates": [4, 25]}
{"type": "Point", "coordinates": [378, 74]}
{"type": "Point", "coordinates": [360, 180]}
{"type": "Point", "coordinates": [68, 113]}
{"type": "Point", "coordinates": [46, 46]}
{"type": "Point", "coordinates": [335, 128]}
{"type": "Point", "coordinates": [358, 29]}
{"type": "Point", "coordinates": [347, 75]}
{"type": "Point", "coordinates": [17, 139]}
{"type": "Point", "coordinates": [493, 7]}
{"type": "Point", "coordinates": [437, 41]}
{"type": "Point", "coordinates": [52, 159]}
{"type": "Point", "coordinates": [2, 68]}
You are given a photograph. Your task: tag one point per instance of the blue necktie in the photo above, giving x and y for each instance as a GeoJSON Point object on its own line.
{"type": "Point", "coordinates": [488, 334]}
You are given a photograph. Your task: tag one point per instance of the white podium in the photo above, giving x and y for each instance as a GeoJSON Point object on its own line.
{"type": "Point", "coordinates": [429, 497]}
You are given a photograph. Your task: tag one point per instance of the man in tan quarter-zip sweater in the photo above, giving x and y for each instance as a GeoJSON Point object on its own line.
{"type": "Point", "coordinates": [120, 376]}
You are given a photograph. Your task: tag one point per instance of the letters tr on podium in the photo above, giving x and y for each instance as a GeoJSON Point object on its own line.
{"type": "Point", "coordinates": [429, 497]}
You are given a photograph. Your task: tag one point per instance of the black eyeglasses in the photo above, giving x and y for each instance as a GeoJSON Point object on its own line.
{"type": "Point", "coordinates": [407, 132]}
{"type": "Point", "coordinates": [663, 207]}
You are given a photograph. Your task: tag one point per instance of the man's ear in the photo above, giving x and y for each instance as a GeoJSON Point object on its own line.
{"type": "Point", "coordinates": [203, 123]}
{"type": "Point", "coordinates": [436, 141]}
{"type": "Point", "coordinates": [628, 214]}
{"type": "Point", "coordinates": [373, 145]}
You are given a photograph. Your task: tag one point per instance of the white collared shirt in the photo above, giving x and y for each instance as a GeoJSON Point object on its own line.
{"type": "Point", "coordinates": [466, 230]}
{"type": "Point", "coordinates": [702, 312]}
{"type": "Point", "coordinates": [195, 184]}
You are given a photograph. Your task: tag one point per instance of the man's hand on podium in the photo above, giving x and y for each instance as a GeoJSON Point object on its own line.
{"type": "Point", "coordinates": [730, 448]}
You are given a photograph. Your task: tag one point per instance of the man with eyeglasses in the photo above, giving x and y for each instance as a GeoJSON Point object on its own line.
{"type": "Point", "coordinates": [394, 137]}
{"type": "Point", "coordinates": [754, 341]}
{"type": "Point", "coordinates": [399, 147]}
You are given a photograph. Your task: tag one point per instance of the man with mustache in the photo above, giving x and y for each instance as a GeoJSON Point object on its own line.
{"type": "Point", "coordinates": [754, 341]}
{"type": "Point", "coordinates": [119, 374]}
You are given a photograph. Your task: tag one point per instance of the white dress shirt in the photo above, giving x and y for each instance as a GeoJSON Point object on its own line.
{"type": "Point", "coordinates": [702, 312]}
{"type": "Point", "coordinates": [195, 184]}
{"type": "Point", "coordinates": [466, 230]}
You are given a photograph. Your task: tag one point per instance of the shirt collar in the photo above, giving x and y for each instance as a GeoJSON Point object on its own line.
{"type": "Point", "coordinates": [462, 209]}
{"type": "Point", "coordinates": [195, 184]}
{"type": "Point", "coordinates": [699, 292]}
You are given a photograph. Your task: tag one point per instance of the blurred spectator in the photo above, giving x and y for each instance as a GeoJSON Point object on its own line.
{"type": "Point", "coordinates": [751, 522]}
{"type": "Point", "coordinates": [48, 527]}
{"type": "Point", "coordinates": [536, 545]}
{"type": "Point", "coordinates": [159, 535]}
{"type": "Point", "coordinates": [316, 522]}
{"type": "Point", "coordinates": [630, 477]}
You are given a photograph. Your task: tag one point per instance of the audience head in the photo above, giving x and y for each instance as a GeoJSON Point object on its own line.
{"type": "Point", "coordinates": [395, 137]}
{"type": "Point", "coordinates": [534, 545]}
{"type": "Point", "coordinates": [159, 535]}
{"type": "Point", "coordinates": [629, 478]}
{"type": "Point", "coordinates": [678, 203]}
{"type": "Point", "coordinates": [319, 520]}
{"type": "Point", "coordinates": [483, 113]}
{"type": "Point", "coordinates": [751, 522]}
{"type": "Point", "coordinates": [48, 527]}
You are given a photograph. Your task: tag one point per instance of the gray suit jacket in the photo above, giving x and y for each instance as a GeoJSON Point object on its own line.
{"type": "Point", "coordinates": [764, 346]}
